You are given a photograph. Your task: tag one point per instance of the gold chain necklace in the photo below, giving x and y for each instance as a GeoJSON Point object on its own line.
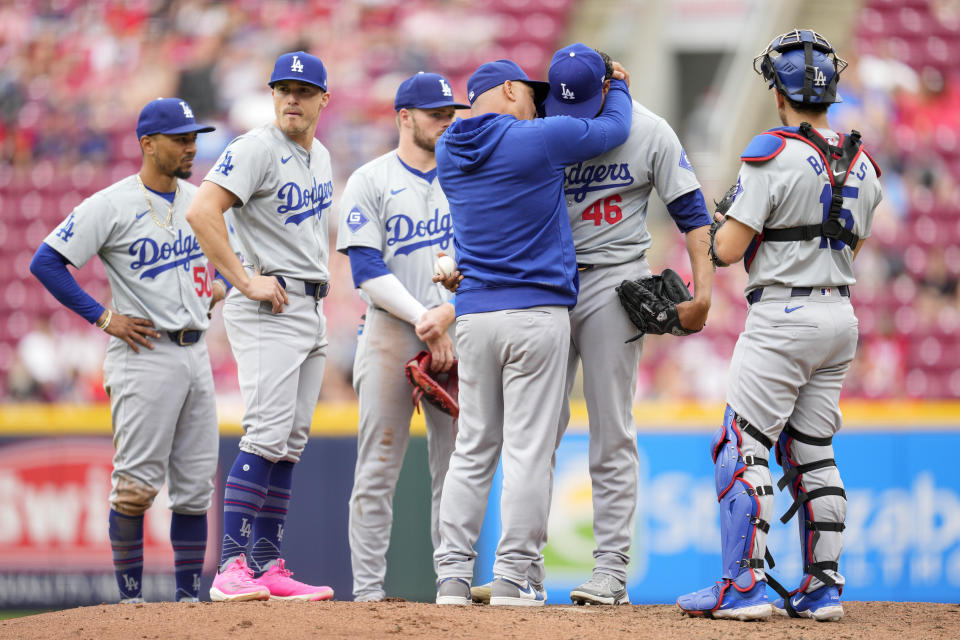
{"type": "Point", "coordinates": [166, 223]}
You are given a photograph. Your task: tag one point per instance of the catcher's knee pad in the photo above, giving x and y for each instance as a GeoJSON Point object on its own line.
{"type": "Point", "coordinates": [810, 473]}
{"type": "Point", "coordinates": [131, 497]}
{"type": "Point", "coordinates": [742, 503]}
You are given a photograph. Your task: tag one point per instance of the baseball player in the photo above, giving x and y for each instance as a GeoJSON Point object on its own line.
{"type": "Point", "coordinates": [801, 209]}
{"type": "Point", "coordinates": [608, 209]}
{"type": "Point", "coordinates": [393, 217]}
{"type": "Point", "coordinates": [157, 371]}
{"type": "Point", "coordinates": [502, 171]}
{"type": "Point", "coordinates": [280, 178]}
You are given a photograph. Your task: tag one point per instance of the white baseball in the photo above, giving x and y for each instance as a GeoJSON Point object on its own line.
{"type": "Point", "coordinates": [444, 266]}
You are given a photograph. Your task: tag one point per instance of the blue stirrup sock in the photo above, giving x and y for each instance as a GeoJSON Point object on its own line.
{"type": "Point", "coordinates": [243, 496]}
{"type": "Point", "coordinates": [126, 542]}
{"type": "Point", "coordinates": [188, 536]}
{"type": "Point", "coordinates": [268, 527]}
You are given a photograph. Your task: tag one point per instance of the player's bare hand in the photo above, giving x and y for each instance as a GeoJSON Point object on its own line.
{"type": "Point", "coordinates": [693, 314]}
{"type": "Point", "coordinates": [441, 353]}
{"type": "Point", "coordinates": [435, 322]}
{"type": "Point", "coordinates": [132, 330]}
{"type": "Point", "coordinates": [620, 73]}
{"type": "Point", "coordinates": [451, 282]}
{"type": "Point", "coordinates": [219, 293]}
{"type": "Point", "coordinates": [266, 289]}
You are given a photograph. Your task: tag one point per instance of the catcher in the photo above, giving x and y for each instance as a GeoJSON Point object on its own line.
{"type": "Point", "coordinates": [393, 214]}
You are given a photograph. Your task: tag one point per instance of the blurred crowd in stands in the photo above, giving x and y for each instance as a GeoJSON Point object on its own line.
{"type": "Point", "coordinates": [74, 75]}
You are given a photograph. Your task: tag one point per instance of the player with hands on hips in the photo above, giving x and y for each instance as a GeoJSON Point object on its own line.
{"type": "Point", "coordinates": [799, 213]}
{"type": "Point", "coordinates": [157, 370]}
{"type": "Point", "coordinates": [393, 216]}
{"type": "Point", "coordinates": [502, 171]}
{"type": "Point", "coordinates": [280, 179]}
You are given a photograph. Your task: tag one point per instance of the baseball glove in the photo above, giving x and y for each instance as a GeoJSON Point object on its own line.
{"type": "Point", "coordinates": [721, 207]}
{"type": "Point", "coordinates": [441, 393]}
{"type": "Point", "coordinates": [651, 303]}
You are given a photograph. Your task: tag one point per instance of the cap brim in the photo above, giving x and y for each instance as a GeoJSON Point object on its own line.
{"type": "Point", "coordinates": [435, 105]}
{"type": "Point", "coordinates": [586, 109]}
{"type": "Point", "coordinates": [297, 78]}
{"type": "Point", "coordinates": [187, 128]}
{"type": "Point", "coordinates": [540, 89]}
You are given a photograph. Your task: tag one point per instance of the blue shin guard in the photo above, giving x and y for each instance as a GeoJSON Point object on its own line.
{"type": "Point", "coordinates": [739, 594]}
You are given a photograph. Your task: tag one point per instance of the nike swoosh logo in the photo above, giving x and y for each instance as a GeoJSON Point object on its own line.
{"type": "Point", "coordinates": [796, 601]}
{"type": "Point", "coordinates": [143, 213]}
{"type": "Point", "coordinates": [792, 309]}
{"type": "Point", "coordinates": [394, 192]}
{"type": "Point", "coordinates": [284, 160]}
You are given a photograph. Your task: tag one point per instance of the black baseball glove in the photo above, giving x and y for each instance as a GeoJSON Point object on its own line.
{"type": "Point", "coordinates": [651, 303]}
{"type": "Point", "coordinates": [721, 208]}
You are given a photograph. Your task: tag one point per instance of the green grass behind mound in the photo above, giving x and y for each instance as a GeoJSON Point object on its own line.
{"type": "Point", "coordinates": [19, 613]}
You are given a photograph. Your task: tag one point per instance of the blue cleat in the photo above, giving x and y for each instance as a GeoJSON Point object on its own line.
{"type": "Point", "coordinates": [723, 600]}
{"type": "Point", "coordinates": [823, 605]}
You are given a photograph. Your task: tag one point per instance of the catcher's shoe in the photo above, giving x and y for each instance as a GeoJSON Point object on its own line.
{"type": "Point", "coordinates": [235, 583]}
{"type": "Point", "coordinates": [601, 588]}
{"type": "Point", "coordinates": [137, 600]}
{"type": "Point", "coordinates": [454, 591]}
{"type": "Point", "coordinates": [278, 580]}
{"type": "Point", "coordinates": [823, 605]}
{"type": "Point", "coordinates": [481, 593]}
{"type": "Point", "coordinates": [507, 592]}
{"type": "Point", "coordinates": [724, 601]}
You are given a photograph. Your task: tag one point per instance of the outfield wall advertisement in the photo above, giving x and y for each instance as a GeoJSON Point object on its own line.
{"type": "Point", "coordinates": [902, 540]}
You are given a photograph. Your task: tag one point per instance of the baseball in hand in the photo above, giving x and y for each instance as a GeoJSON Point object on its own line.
{"type": "Point", "coordinates": [444, 266]}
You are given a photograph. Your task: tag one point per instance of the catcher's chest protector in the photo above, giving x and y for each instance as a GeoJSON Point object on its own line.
{"type": "Point", "coordinates": [837, 160]}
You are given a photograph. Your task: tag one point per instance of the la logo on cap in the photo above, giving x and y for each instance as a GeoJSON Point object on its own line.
{"type": "Point", "coordinates": [296, 65]}
{"type": "Point", "coordinates": [445, 88]}
{"type": "Point", "coordinates": [565, 93]}
{"type": "Point", "coordinates": [187, 113]}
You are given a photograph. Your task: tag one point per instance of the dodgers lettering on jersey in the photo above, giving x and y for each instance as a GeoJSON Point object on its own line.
{"type": "Point", "coordinates": [285, 193]}
{"type": "Point", "coordinates": [607, 196]}
{"type": "Point", "coordinates": [162, 256]}
{"type": "Point", "coordinates": [792, 189]}
{"type": "Point", "coordinates": [387, 207]}
{"type": "Point", "coordinates": [154, 273]}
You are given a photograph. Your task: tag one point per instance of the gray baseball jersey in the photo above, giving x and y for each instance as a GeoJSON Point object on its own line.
{"type": "Point", "coordinates": [607, 195]}
{"type": "Point", "coordinates": [155, 273]}
{"type": "Point", "coordinates": [281, 219]}
{"type": "Point", "coordinates": [388, 207]}
{"type": "Point", "coordinates": [793, 189]}
{"type": "Point", "coordinates": [285, 194]}
{"type": "Point", "coordinates": [403, 214]}
{"type": "Point", "coordinates": [607, 200]}
{"type": "Point", "coordinates": [162, 401]}
{"type": "Point", "coordinates": [800, 337]}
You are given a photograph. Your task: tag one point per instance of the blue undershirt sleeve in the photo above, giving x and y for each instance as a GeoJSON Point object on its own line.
{"type": "Point", "coordinates": [571, 140]}
{"type": "Point", "coordinates": [222, 278]}
{"type": "Point", "coordinates": [689, 211]}
{"type": "Point", "coordinates": [50, 268]}
{"type": "Point", "coordinates": [366, 263]}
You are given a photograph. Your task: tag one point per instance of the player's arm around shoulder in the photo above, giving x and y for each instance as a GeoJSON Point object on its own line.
{"type": "Point", "coordinates": [570, 140]}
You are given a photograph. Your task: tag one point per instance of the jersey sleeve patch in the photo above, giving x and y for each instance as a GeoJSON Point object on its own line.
{"type": "Point", "coordinates": [763, 147]}
{"type": "Point", "coordinates": [684, 161]}
{"type": "Point", "coordinates": [356, 219]}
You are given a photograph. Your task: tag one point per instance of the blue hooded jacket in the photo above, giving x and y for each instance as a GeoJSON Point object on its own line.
{"type": "Point", "coordinates": [503, 178]}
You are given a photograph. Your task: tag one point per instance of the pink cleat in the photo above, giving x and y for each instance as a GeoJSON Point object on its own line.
{"type": "Point", "coordinates": [282, 587]}
{"type": "Point", "coordinates": [236, 584]}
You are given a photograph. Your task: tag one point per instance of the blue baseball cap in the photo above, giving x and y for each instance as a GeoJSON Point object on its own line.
{"type": "Point", "coordinates": [301, 66]}
{"type": "Point", "coordinates": [493, 74]}
{"type": "Point", "coordinates": [425, 91]}
{"type": "Point", "coordinates": [576, 79]}
{"type": "Point", "coordinates": [170, 116]}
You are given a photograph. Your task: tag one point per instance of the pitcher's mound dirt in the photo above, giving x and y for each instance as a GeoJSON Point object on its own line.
{"type": "Point", "coordinates": [281, 620]}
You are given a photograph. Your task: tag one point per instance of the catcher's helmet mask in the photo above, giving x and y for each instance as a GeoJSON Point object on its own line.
{"type": "Point", "coordinates": [803, 66]}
